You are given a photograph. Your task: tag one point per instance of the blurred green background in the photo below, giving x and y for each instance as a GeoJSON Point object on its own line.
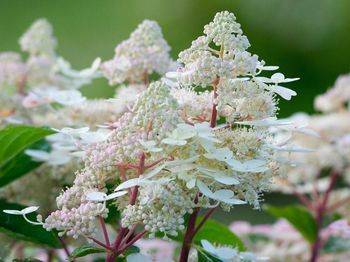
{"type": "Point", "coordinates": [309, 39]}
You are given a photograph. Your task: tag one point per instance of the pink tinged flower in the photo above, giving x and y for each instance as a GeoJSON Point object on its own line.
{"type": "Point", "coordinates": [33, 100]}
{"type": "Point", "coordinates": [340, 228]}
{"type": "Point", "coordinates": [241, 228]}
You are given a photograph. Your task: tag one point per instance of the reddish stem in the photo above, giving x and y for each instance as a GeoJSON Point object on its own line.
{"type": "Point", "coordinates": [205, 218]}
{"type": "Point", "coordinates": [104, 230]}
{"type": "Point", "coordinates": [320, 213]}
{"type": "Point", "coordinates": [117, 249]}
{"type": "Point", "coordinates": [338, 204]}
{"type": "Point", "coordinates": [131, 242]}
{"type": "Point", "coordinates": [98, 242]}
{"type": "Point", "coordinates": [214, 112]}
{"type": "Point", "coordinates": [186, 245]}
{"type": "Point", "coordinates": [304, 200]}
{"type": "Point", "coordinates": [64, 246]}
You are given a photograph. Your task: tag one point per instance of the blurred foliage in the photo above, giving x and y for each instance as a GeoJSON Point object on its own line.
{"type": "Point", "coordinates": [307, 38]}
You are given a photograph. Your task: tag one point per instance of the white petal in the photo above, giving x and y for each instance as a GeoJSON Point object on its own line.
{"type": "Point", "coordinates": [129, 183]}
{"type": "Point", "coordinates": [287, 80]}
{"type": "Point", "coordinates": [172, 75]}
{"type": "Point", "coordinates": [226, 180]}
{"type": "Point", "coordinates": [12, 212]}
{"type": "Point", "coordinates": [204, 189]}
{"type": "Point", "coordinates": [269, 68]}
{"type": "Point", "coordinates": [181, 161]}
{"type": "Point", "coordinates": [37, 155]}
{"type": "Point", "coordinates": [223, 194]}
{"type": "Point", "coordinates": [72, 131]}
{"type": "Point", "coordinates": [294, 149]}
{"type": "Point", "coordinates": [191, 183]}
{"type": "Point", "coordinates": [226, 253]}
{"type": "Point", "coordinates": [153, 172]}
{"type": "Point", "coordinates": [234, 201]}
{"type": "Point", "coordinates": [96, 196]}
{"type": "Point", "coordinates": [219, 176]}
{"type": "Point", "coordinates": [284, 92]}
{"type": "Point", "coordinates": [116, 194]}
{"type": "Point", "coordinates": [208, 246]}
{"type": "Point", "coordinates": [277, 78]}
{"type": "Point", "coordinates": [270, 121]}
{"type": "Point", "coordinates": [29, 210]}
{"type": "Point", "coordinates": [175, 142]}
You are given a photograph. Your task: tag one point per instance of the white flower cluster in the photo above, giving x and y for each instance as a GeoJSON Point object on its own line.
{"type": "Point", "coordinates": [330, 141]}
{"type": "Point", "coordinates": [161, 207]}
{"type": "Point", "coordinates": [143, 53]}
{"type": "Point", "coordinates": [30, 92]}
{"type": "Point", "coordinates": [165, 147]}
{"type": "Point", "coordinates": [335, 98]}
{"type": "Point", "coordinates": [204, 64]}
{"type": "Point", "coordinates": [12, 69]}
{"type": "Point", "coordinates": [153, 116]}
{"type": "Point", "coordinates": [194, 106]}
{"type": "Point", "coordinates": [245, 100]}
{"type": "Point", "coordinates": [39, 39]}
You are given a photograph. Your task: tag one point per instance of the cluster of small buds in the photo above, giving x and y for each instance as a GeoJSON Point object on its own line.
{"type": "Point", "coordinates": [161, 207]}
{"type": "Point", "coordinates": [42, 79]}
{"type": "Point", "coordinates": [202, 64]}
{"type": "Point", "coordinates": [76, 221]}
{"type": "Point", "coordinates": [12, 69]}
{"type": "Point", "coordinates": [88, 113]}
{"type": "Point", "coordinates": [76, 215]}
{"type": "Point", "coordinates": [143, 53]}
{"type": "Point", "coordinates": [245, 142]}
{"type": "Point", "coordinates": [85, 180]}
{"type": "Point", "coordinates": [39, 39]}
{"type": "Point", "coordinates": [222, 28]}
{"type": "Point", "coordinates": [126, 95]}
{"type": "Point", "coordinates": [193, 106]}
{"type": "Point", "coordinates": [153, 116]}
{"type": "Point", "coordinates": [245, 100]}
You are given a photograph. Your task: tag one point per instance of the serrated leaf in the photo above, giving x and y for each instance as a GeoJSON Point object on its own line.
{"type": "Point", "coordinates": [299, 217]}
{"type": "Point", "coordinates": [18, 228]}
{"type": "Point", "coordinates": [86, 250]}
{"type": "Point", "coordinates": [13, 141]}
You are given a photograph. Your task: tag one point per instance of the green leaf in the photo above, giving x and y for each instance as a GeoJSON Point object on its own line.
{"type": "Point", "coordinates": [113, 214]}
{"type": "Point", "coordinates": [218, 233]}
{"type": "Point", "coordinates": [131, 250]}
{"type": "Point", "coordinates": [336, 245]}
{"type": "Point", "coordinates": [18, 228]}
{"type": "Point", "coordinates": [86, 250]}
{"type": "Point", "coordinates": [214, 232]}
{"type": "Point", "coordinates": [21, 164]}
{"type": "Point", "coordinates": [301, 219]}
{"type": "Point", "coordinates": [14, 163]}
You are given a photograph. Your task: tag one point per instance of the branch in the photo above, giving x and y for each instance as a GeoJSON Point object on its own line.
{"type": "Point", "coordinates": [104, 230]}
{"type": "Point", "coordinates": [205, 218]}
